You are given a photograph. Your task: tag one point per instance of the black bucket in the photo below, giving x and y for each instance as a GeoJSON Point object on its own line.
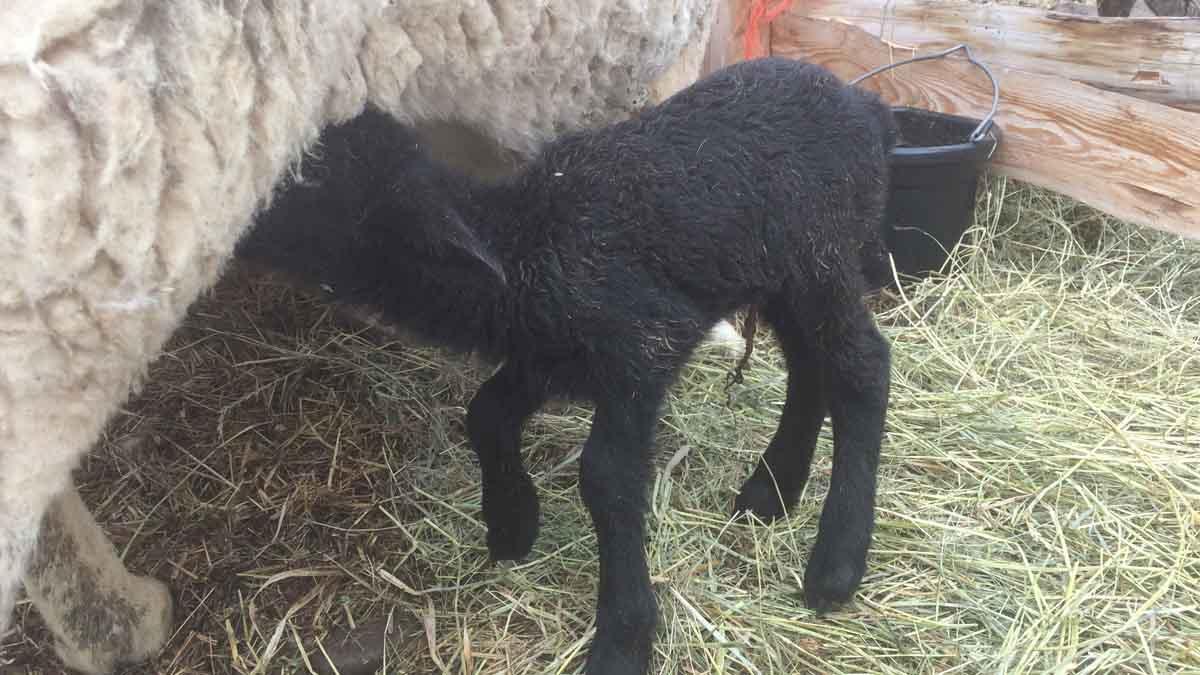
{"type": "Point", "coordinates": [934, 175]}
{"type": "Point", "coordinates": [935, 171]}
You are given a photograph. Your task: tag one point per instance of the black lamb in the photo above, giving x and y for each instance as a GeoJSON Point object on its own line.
{"type": "Point", "coordinates": [594, 272]}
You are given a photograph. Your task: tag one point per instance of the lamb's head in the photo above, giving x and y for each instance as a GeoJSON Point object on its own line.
{"type": "Point", "coordinates": [419, 217]}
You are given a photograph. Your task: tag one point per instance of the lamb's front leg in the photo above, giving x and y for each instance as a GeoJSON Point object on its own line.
{"type": "Point", "coordinates": [494, 421]}
{"type": "Point", "coordinates": [613, 474]}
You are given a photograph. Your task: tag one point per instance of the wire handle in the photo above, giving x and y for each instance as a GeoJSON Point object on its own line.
{"type": "Point", "coordinates": [986, 125]}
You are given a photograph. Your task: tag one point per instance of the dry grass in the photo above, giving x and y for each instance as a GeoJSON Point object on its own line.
{"type": "Point", "coordinates": [292, 474]}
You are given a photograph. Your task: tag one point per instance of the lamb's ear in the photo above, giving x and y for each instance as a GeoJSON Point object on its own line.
{"type": "Point", "coordinates": [458, 235]}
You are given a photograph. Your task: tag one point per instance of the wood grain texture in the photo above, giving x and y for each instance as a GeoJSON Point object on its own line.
{"type": "Point", "coordinates": [1157, 59]}
{"type": "Point", "coordinates": [722, 43]}
{"type": "Point", "coordinates": [1137, 160]}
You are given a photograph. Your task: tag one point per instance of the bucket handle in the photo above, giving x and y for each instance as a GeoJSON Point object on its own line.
{"type": "Point", "coordinates": [984, 126]}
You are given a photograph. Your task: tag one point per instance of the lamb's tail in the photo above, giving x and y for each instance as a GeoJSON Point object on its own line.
{"type": "Point", "coordinates": [749, 330]}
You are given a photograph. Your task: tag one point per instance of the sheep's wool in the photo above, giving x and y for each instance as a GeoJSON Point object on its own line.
{"type": "Point", "coordinates": [137, 139]}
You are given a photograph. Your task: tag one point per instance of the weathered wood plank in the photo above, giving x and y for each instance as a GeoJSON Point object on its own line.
{"type": "Point", "coordinates": [1157, 59]}
{"type": "Point", "coordinates": [1137, 160]}
{"type": "Point", "coordinates": [721, 42]}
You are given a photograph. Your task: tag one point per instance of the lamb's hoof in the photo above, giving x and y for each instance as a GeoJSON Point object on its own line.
{"type": "Point", "coordinates": [625, 628]}
{"type": "Point", "coordinates": [129, 629]}
{"type": "Point", "coordinates": [511, 543]}
{"type": "Point", "coordinates": [607, 657]}
{"type": "Point", "coordinates": [761, 500]}
{"type": "Point", "coordinates": [512, 521]}
{"type": "Point", "coordinates": [831, 578]}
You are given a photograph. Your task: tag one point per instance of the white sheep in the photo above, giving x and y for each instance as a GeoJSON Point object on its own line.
{"type": "Point", "coordinates": [138, 139]}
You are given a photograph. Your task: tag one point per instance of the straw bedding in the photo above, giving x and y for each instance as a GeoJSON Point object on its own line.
{"type": "Point", "coordinates": [295, 475]}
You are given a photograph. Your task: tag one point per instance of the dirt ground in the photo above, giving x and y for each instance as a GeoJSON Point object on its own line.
{"type": "Point", "coordinates": [258, 443]}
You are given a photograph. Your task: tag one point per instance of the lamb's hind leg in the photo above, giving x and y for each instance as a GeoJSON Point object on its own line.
{"type": "Point", "coordinates": [612, 479]}
{"type": "Point", "coordinates": [856, 363]}
{"type": "Point", "coordinates": [99, 613]}
{"type": "Point", "coordinates": [494, 421]}
{"type": "Point", "coordinates": [781, 474]}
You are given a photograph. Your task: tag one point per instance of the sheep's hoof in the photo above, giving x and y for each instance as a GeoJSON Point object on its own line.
{"type": "Point", "coordinates": [513, 521]}
{"type": "Point", "coordinates": [831, 578]}
{"type": "Point", "coordinates": [130, 629]}
{"type": "Point", "coordinates": [761, 500]}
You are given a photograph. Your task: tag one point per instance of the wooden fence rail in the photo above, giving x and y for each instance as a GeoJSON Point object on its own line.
{"type": "Point", "coordinates": [1134, 158]}
{"type": "Point", "coordinates": [1157, 59]}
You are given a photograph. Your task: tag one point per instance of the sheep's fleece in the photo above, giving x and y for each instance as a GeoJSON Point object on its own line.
{"type": "Point", "coordinates": [138, 138]}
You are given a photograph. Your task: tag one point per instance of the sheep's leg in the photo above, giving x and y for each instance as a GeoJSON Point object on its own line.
{"type": "Point", "coordinates": [613, 474]}
{"type": "Point", "coordinates": [99, 613]}
{"type": "Point", "coordinates": [857, 373]}
{"type": "Point", "coordinates": [781, 474]}
{"type": "Point", "coordinates": [494, 421]}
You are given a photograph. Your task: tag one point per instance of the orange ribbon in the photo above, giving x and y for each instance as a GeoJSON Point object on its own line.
{"type": "Point", "coordinates": [761, 15]}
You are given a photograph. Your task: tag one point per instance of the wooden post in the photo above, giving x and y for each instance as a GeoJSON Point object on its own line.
{"type": "Point", "coordinates": [1137, 160]}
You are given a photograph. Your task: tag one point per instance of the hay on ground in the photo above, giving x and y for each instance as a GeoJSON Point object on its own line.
{"type": "Point", "coordinates": [293, 475]}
